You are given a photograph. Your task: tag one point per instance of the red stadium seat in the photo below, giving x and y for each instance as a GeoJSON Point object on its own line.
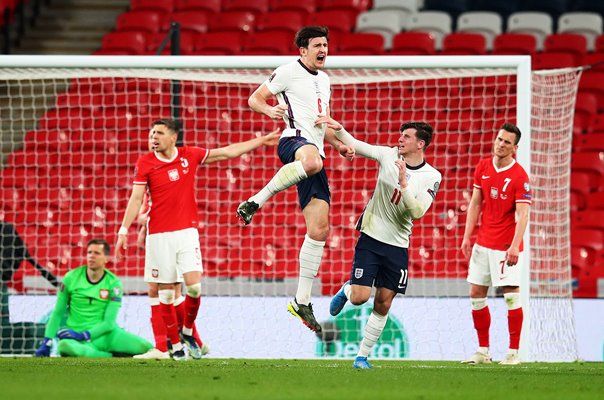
{"type": "Point", "coordinates": [592, 163]}
{"type": "Point", "coordinates": [353, 6]}
{"type": "Point", "coordinates": [593, 82]}
{"type": "Point", "coordinates": [212, 6]}
{"type": "Point", "coordinates": [580, 182]}
{"type": "Point", "coordinates": [514, 43]}
{"type": "Point", "coordinates": [413, 43]}
{"type": "Point", "coordinates": [585, 108]}
{"type": "Point", "coordinates": [464, 43]}
{"type": "Point", "coordinates": [227, 43]}
{"type": "Point", "coordinates": [141, 21]}
{"type": "Point", "coordinates": [253, 6]}
{"type": "Point", "coordinates": [235, 21]}
{"type": "Point", "coordinates": [280, 21]}
{"type": "Point", "coordinates": [568, 43]}
{"type": "Point", "coordinates": [132, 42]}
{"type": "Point", "coordinates": [590, 219]}
{"type": "Point", "coordinates": [193, 21]}
{"type": "Point", "coordinates": [595, 201]}
{"type": "Point", "coordinates": [49, 140]}
{"type": "Point", "coordinates": [162, 6]}
{"type": "Point", "coordinates": [306, 7]}
{"type": "Point", "coordinates": [272, 43]}
{"type": "Point", "coordinates": [361, 44]}
{"type": "Point", "coordinates": [588, 238]}
{"type": "Point", "coordinates": [553, 60]}
{"type": "Point", "coordinates": [338, 22]}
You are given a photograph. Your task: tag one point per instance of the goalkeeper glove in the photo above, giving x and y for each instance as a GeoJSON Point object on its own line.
{"type": "Point", "coordinates": [71, 334]}
{"type": "Point", "coordinates": [44, 349]}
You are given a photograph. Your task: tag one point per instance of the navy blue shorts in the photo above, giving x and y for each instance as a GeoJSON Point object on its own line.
{"type": "Point", "coordinates": [314, 186]}
{"type": "Point", "coordinates": [379, 264]}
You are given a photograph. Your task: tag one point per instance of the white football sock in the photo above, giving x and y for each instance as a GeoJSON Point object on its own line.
{"type": "Point", "coordinates": [347, 290]}
{"type": "Point", "coordinates": [310, 260]}
{"type": "Point", "coordinates": [373, 331]}
{"type": "Point", "coordinates": [288, 175]}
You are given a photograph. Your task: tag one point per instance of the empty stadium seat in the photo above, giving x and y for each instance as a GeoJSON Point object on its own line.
{"type": "Point", "coordinates": [589, 142]}
{"type": "Point", "coordinates": [188, 40]}
{"type": "Point", "coordinates": [584, 23]}
{"type": "Point", "coordinates": [591, 162]}
{"type": "Point", "coordinates": [212, 6]}
{"type": "Point", "coordinates": [514, 43]}
{"type": "Point", "coordinates": [413, 43]}
{"type": "Point", "coordinates": [361, 44]}
{"type": "Point", "coordinates": [438, 23]}
{"type": "Point", "coordinates": [590, 219]}
{"type": "Point", "coordinates": [464, 43]}
{"type": "Point", "coordinates": [337, 21]}
{"type": "Point", "coordinates": [162, 6]}
{"type": "Point", "coordinates": [570, 43]}
{"type": "Point", "coordinates": [552, 61]}
{"type": "Point", "coordinates": [141, 21]}
{"type": "Point", "coordinates": [384, 22]}
{"type": "Point", "coordinates": [132, 42]}
{"type": "Point", "coordinates": [535, 23]}
{"type": "Point", "coordinates": [593, 82]}
{"type": "Point", "coordinates": [353, 6]}
{"type": "Point", "coordinates": [277, 43]}
{"type": "Point", "coordinates": [488, 24]}
{"type": "Point", "coordinates": [306, 7]}
{"type": "Point", "coordinates": [406, 7]}
{"type": "Point", "coordinates": [595, 201]}
{"type": "Point", "coordinates": [191, 21]}
{"type": "Point", "coordinates": [586, 106]}
{"type": "Point", "coordinates": [280, 21]}
{"type": "Point", "coordinates": [253, 6]}
{"type": "Point", "coordinates": [235, 21]}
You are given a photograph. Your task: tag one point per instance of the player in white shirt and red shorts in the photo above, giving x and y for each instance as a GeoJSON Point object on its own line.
{"type": "Point", "coordinates": [502, 192]}
{"type": "Point", "coordinates": [172, 243]}
{"type": "Point", "coordinates": [405, 189]}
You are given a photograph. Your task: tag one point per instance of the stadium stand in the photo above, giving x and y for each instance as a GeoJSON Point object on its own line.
{"type": "Point", "coordinates": [232, 27]}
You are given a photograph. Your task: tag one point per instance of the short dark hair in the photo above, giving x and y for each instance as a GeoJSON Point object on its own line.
{"type": "Point", "coordinates": [169, 123]}
{"type": "Point", "coordinates": [424, 131]}
{"type": "Point", "coordinates": [307, 33]}
{"type": "Point", "coordinates": [508, 127]}
{"type": "Point", "coordinates": [102, 242]}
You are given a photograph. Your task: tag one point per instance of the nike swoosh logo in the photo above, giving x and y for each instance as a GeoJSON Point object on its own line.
{"type": "Point", "coordinates": [486, 176]}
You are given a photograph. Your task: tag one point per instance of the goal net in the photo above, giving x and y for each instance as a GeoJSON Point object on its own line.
{"type": "Point", "coordinates": [73, 128]}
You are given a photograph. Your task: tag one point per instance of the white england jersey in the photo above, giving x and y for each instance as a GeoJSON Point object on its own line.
{"type": "Point", "coordinates": [385, 217]}
{"type": "Point", "coordinates": [306, 94]}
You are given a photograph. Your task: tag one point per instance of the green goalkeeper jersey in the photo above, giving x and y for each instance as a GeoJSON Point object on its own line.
{"type": "Point", "coordinates": [89, 306]}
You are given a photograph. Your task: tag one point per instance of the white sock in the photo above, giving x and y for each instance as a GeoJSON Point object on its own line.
{"type": "Point", "coordinates": [288, 175]}
{"type": "Point", "coordinates": [347, 290]}
{"type": "Point", "coordinates": [373, 331]}
{"type": "Point", "coordinates": [484, 350]}
{"type": "Point", "coordinates": [310, 260]}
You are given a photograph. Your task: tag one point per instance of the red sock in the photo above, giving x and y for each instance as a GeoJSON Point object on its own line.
{"type": "Point", "coordinates": [482, 323]}
{"type": "Point", "coordinates": [515, 318]}
{"type": "Point", "coordinates": [191, 309]}
{"type": "Point", "coordinates": [169, 314]}
{"type": "Point", "coordinates": [180, 313]}
{"type": "Point", "coordinates": [196, 336]}
{"type": "Point", "coordinates": [159, 329]}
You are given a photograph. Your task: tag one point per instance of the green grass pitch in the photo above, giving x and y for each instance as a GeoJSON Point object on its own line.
{"type": "Point", "coordinates": [65, 378]}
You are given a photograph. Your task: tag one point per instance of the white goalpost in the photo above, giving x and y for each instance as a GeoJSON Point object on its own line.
{"type": "Point", "coordinates": [73, 127]}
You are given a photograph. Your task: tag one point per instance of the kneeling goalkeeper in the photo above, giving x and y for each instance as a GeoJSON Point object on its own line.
{"type": "Point", "coordinates": [91, 296]}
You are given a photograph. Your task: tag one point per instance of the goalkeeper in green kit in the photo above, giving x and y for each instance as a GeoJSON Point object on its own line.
{"type": "Point", "coordinates": [91, 296]}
